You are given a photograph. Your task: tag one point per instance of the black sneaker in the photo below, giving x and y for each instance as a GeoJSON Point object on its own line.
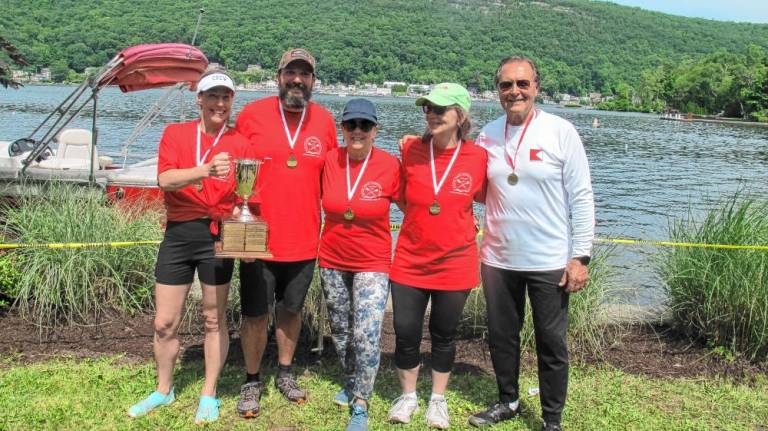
{"type": "Point", "coordinates": [551, 427]}
{"type": "Point", "coordinates": [496, 413]}
{"type": "Point", "coordinates": [250, 394]}
{"type": "Point", "coordinates": [289, 387]}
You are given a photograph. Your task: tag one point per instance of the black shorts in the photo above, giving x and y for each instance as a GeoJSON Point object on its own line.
{"type": "Point", "coordinates": [264, 283]}
{"type": "Point", "coordinates": [188, 246]}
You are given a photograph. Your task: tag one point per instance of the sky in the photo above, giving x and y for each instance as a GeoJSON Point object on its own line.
{"type": "Point", "coordinates": [731, 10]}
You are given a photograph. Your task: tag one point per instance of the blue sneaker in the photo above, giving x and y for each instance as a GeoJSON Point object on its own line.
{"type": "Point", "coordinates": [207, 410]}
{"type": "Point", "coordinates": [343, 398]}
{"type": "Point", "coordinates": [359, 419]}
{"type": "Point", "coordinates": [154, 400]}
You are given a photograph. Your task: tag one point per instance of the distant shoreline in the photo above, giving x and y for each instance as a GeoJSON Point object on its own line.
{"type": "Point", "coordinates": [715, 121]}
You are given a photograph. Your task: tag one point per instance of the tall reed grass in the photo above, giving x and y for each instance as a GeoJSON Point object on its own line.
{"type": "Point", "coordinates": [720, 296]}
{"type": "Point", "coordinates": [69, 286]}
{"type": "Point", "coordinates": [590, 328]}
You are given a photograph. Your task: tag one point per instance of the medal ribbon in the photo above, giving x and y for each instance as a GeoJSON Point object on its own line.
{"type": "Point", "coordinates": [199, 159]}
{"type": "Point", "coordinates": [351, 191]}
{"type": "Point", "coordinates": [435, 185]}
{"type": "Point", "coordinates": [291, 139]}
{"type": "Point", "coordinates": [512, 160]}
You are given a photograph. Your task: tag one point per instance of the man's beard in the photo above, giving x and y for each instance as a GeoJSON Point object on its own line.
{"type": "Point", "coordinates": [293, 101]}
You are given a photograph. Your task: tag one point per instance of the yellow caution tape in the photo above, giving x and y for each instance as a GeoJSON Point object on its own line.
{"type": "Point", "coordinates": [78, 244]}
{"type": "Point", "coordinates": [681, 244]}
{"type": "Point", "coordinates": [396, 227]}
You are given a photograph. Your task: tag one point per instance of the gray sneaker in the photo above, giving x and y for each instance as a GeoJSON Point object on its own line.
{"type": "Point", "coordinates": [250, 394]}
{"type": "Point", "coordinates": [289, 387]}
{"type": "Point", "coordinates": [437, 414]}
{"type": "Point", "coordinates": [402, 409]}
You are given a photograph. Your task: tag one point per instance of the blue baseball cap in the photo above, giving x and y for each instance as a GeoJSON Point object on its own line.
{"type": "Point", "coordinates": [359, 108]}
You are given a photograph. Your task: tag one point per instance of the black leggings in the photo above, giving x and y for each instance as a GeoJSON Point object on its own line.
{"type": "Point", "coordinates": [409, 305]}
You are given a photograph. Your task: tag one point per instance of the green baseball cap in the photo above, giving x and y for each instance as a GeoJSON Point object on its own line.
{"type": "Point", "coordinates": [446, 94]}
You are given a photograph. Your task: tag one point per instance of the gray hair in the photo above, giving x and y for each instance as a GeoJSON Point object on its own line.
{"type": "Point", "coordinates": [516, 59]}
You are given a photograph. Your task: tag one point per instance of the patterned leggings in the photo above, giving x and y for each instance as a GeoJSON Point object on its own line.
{"type": "Point", "coordinates": [356, 302]}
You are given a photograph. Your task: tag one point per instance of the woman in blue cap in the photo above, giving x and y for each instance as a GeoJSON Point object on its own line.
{"type": "Point", "coordinates": [359, 183]}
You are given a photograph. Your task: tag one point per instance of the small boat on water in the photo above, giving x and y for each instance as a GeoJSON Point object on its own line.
{"type": "Point", "coordinates": [53, 151]}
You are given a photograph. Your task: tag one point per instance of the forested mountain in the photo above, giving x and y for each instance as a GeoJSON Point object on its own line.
{"type": "Point", "coordinates": [581, 46]}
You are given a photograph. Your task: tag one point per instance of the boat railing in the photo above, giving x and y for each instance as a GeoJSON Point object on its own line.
{"type": "Point", "coordinates": [152, 113]}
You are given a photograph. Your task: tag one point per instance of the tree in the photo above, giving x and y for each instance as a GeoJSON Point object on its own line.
{"type": "Point", "coordinates": [754, 91]}
{"type": "Point", "coordinates": [8, 51]}
{"type": "Point", "coordinates": [59, 70]}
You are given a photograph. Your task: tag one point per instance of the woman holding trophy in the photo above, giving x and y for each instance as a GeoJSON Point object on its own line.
{"type": "Point", "coordinates": [359, 183]}
{"type": "Point", "coordinates": [436, 258]}
{"type": "Point", "coordinates": [194, 172]}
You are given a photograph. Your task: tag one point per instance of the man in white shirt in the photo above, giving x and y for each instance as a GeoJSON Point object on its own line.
{"type": "Point", "coordinates": [538, 236]}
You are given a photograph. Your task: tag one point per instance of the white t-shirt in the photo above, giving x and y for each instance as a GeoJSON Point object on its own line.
{"type": "Point", "coordinates": [549, 215]}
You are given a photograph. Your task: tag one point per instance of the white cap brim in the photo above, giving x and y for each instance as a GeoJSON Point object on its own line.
{"type": "Point", "coordinates": [215, 80]}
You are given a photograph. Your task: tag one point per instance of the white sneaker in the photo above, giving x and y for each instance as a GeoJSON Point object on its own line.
{"type": "Point", "coordinates": [402, 409]}
{"type": "Point", "coordinates": [437, 414]}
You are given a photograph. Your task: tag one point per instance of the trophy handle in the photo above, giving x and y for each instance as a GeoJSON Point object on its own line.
{"type": "Point", "coordinates": [266, 161]}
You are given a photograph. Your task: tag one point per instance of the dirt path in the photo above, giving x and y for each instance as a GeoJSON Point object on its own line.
{"type": "Point", "coordinates": [644, 350]}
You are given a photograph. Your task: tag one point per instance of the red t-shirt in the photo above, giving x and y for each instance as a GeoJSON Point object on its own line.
{"type": "Point", "coordinates": [178, 150]}
{"type": "Point", "coordinates": [289, 198]}
{"type": "Point", "coordinates": [363, 244]}
{"type": "Point", "coordinates": [439, 251]}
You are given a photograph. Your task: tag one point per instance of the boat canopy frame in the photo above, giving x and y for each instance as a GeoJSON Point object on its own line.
{"type": "Point", "coordinates": [135, 68]}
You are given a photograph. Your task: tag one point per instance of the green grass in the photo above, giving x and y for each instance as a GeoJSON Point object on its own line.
{"type": "Point", "coordinates": [720, 296]}
{"type": "Point", "coordinates": [94, 395]}
{"type": "Point", "coordinates": [66, 286]}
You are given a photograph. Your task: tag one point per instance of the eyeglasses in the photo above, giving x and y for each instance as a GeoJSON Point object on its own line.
{"type": "Point", "coordinates": [437, 110]}
{"type": "Point", "coordinates": [363, 125]}
{"type": "Point", "coordinates": [522, 84]}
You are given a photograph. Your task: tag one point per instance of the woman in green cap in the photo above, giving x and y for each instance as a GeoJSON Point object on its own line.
{"type": "Point", "coordinates": [436, 257]}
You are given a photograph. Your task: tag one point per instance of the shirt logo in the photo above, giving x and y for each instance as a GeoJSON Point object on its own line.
{"type": "Point", "coordinates": [312, 146]}
{"type": "Point", "coordinates": [461, 184]}
{"type": "Point", "coordinates": [371, 191]}
{"type": "Point", "coordinates": [536, 155]}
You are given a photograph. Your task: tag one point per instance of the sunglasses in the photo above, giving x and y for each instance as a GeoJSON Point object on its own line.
{"type": "Point", "coordinates": [522, 84]}
{"type": "Point", "coordinates": [363, 125]}
{"type": "Point", "coordinates": [437, 110]}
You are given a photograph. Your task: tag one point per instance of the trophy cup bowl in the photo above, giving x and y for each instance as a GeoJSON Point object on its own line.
{"type": "Point", "coordinates": [246, 173]}
{"type": "Point", "coordinates": [244, 235]}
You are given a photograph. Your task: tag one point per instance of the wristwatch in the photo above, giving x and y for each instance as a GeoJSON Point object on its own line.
{"type": "Point", "coordinates": [583, 259]}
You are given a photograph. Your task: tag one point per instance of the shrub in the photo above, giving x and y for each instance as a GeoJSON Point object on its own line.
{"type": "Point", "coordinates": [77, 285]}
{"type": "Point", "coordinates": [9, 274]}
{"type": "Point", "coordinates": [9, 278]}
{"type": "Point", "coordinates": [720, 296]}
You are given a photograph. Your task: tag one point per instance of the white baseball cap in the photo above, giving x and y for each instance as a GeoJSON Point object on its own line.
{"type": "Point", "coordinates": [215, 80]}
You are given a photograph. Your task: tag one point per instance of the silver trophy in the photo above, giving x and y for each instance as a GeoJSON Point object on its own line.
{"type": "Point", "coordinates": [244, 235]}
{"type": "Point", "coordinates": [246, 174]}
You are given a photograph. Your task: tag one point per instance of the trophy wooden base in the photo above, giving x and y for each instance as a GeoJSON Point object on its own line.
{"type": "Point", "coordinates": [243, 240]}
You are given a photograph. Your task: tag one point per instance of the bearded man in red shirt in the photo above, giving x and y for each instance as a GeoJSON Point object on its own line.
{"type": "Point", "coordinates": [296, 135]}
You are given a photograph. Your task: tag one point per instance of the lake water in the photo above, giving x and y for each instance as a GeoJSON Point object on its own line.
{"type": "Point", "coordinates": [645, 171]}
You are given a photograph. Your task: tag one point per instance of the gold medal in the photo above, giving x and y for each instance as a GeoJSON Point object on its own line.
{"type": "Point", "coordinates": [434, 209]}
{"type": "Point", "coordinates": [512, 179]}
{"type": "Point", "coordinates": [291, 162]}
{"type": "Point", "coordinates": [349, 215]}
